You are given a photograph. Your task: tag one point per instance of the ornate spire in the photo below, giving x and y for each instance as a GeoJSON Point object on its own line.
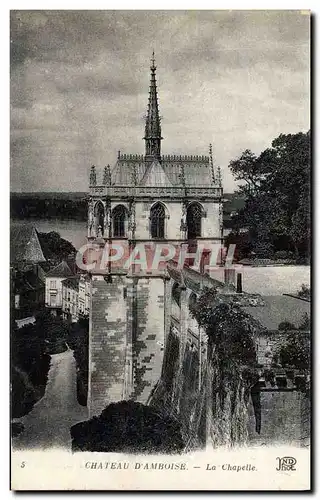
{"type": "Point", "coordinates": [134, 173]}
{"type": "Point", "coordinates": [213, 177]}
{"type": "Point", "coordinates": [93, 176]}
{"type": "Point", "coordinates": [181, 175]}
{"type": "Point", "coordinates": [219, 176]}
{"type": "Point", "coordinates": [107, 176]}
{"type": "Point", "coordinates": [153, 127]}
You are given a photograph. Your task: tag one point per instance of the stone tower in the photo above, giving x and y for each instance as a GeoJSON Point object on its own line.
{"type": "Point", "coordinates": [143, 201]}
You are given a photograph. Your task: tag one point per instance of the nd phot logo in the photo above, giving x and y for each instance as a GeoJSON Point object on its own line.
{"type": "Point", "coordinates": [286, 464]}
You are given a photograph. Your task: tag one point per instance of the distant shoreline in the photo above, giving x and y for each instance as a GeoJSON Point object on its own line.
{"type": "Point", "coordinates": [50, 194]}
{"type": "Point", "coordinates": [46, 218]}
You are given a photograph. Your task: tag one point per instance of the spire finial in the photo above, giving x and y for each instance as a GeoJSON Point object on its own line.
{"type": "Point", "coordinates": [211, 164]}
{"type": "Point", "coordinates": [153, 67]}
{"type": "Point", "coordinates": [181, 175]}
{"type": "Point", "coordinates": [93, 176]}
{"type": "Point", "coordinates": [219, 176]}
{"type": "Point", "coordinates": [107, 176]}
{"type": "Point", "coordinates": [152, 135]}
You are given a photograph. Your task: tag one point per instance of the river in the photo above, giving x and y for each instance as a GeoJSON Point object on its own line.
{"type": "Point", "coordinates": [269, 280]}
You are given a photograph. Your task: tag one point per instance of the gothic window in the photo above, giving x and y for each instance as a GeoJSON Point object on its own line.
{"type": "Point", "coordinates": [194, 215]}
{"type": "Point", "coordinates": [99, 215]}
{"type": "Point", "coordinates": [118, 221]}
{"type": "Point", "coordinates": [157, 217]}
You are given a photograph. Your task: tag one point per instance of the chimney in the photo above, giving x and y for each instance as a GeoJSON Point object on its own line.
{"type": "Point", "coordinates": [230, 276]}
{"type": "Point", "coordinates": [239, 283]}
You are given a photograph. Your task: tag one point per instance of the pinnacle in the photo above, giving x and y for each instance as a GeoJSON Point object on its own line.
{"type": "Point", "coordinates": [153, 67]}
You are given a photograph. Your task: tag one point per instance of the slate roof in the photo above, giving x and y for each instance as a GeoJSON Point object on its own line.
{"type": "Point", "coordinates": [193, 279]}
{"type": "Point", "coordinates": [155, 176]}
{"type": "Point", "coordinates": [279, 308]}
{"type": "Point", "coordinates": [62, 270]}
{"type": "Point", "coordinates": [72, 282]}
{"type": "Point", "coordinates": [196, 172]}
{"type": "Point", "coordinates": [25, 245]}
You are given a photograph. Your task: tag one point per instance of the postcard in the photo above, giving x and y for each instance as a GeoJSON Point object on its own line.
{"type": "Point", "coordinates": [160, 297]}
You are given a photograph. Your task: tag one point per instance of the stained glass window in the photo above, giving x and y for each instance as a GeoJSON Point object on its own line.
{"type": "Point", "coordinates": [194, 215]}
{"type": "Point", "coordinates": [157, 216]}
{"type": "Point", "coordinates": [118, 221]}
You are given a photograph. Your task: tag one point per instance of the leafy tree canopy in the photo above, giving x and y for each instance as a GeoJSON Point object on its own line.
{"type": "Point", "coordinates": [276, 185]}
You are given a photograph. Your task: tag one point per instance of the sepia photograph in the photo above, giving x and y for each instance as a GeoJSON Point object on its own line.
{"type": "Point", "coordinates": [160, 250]}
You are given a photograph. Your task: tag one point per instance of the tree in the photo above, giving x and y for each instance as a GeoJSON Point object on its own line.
{"type": "Point", "coordinates": [286, 326]}
{"type": "Point", "coordinates": [55, 247]}
{"type": "Point", "coordinates": [247, 170]}
{"type": "Point", "coordinates": [243, 242]}
{"type": "Point", "coordinates": [29, 368]}
{"type": "Point", "coordinates": [277, 189]}
{"type": "Point", "coordinates": [79, 341]}
{"type": "Point", "coordinates": [296, 351]}
{"type": "Point", "coordinates": [54, 331]}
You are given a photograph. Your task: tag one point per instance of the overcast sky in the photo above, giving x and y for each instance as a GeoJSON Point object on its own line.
{"type": "Point", "coordinates": [79, 87]}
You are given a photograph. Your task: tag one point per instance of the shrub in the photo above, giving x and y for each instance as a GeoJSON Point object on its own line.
{"type": "Point", "coordinates": [22, 393]}
{"type": "Point", "coordinates": [30, 366]}
{"type": "Point", "coordinates": [16, 428]}
{"type": "Point", "coordinates": [305, 323]}
{"type": "Point", "coordinates": [283, 255]}
{"type": "Point", "coordinates": [78, 340]}
{"type": "Point", "coordinates": [54, 331]}
{"type": "Point", "coordinates": [128, 427]}
{"type": "Point", "coordinates": [229, 328]}
{"type": "Point", "coordinates": [269, 376]}
{"type": "Point", "coordinates": [304, 292]}
{"type": "Point", "coordinates": [296, 351]}
{"type": "Point", "coordinates": [286, 325]}
{"type": "Point", "coordinates": [231, 351]}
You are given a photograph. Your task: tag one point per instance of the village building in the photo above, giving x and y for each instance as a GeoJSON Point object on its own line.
{"type": "Point", "coordinates": [27, 276]}
{"type": "Point", "coordinates": [53, 291]}
{"type": "Point", "coordinates": [70, 298]}
{"type": "Point", "coordinates": [84, 296]}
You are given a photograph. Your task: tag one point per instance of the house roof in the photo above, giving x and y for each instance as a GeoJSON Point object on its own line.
{"type": "Point", "coordinates": [277, 309]}
{"type": "Point", "coordinates": [25, 245]}
{"type": "Point", "coordinates": [72, 282]}
{"type": "Point", "coordinates": [62, 270]}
